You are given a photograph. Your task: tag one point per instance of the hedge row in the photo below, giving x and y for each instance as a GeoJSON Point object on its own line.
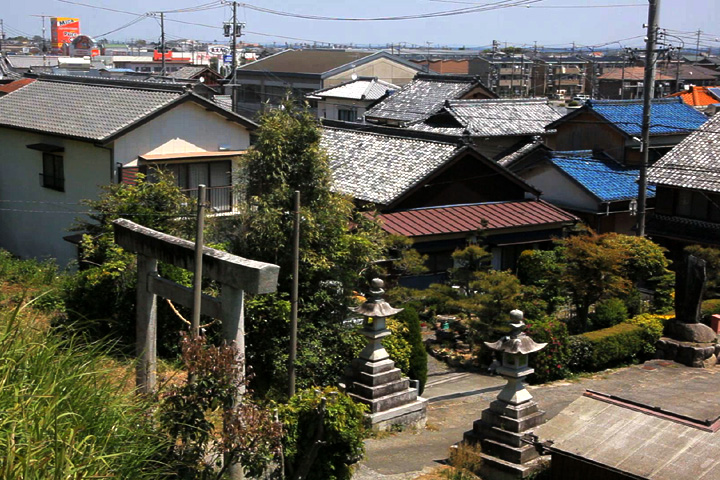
{"type": "Point", "coordinates": [609, 347]}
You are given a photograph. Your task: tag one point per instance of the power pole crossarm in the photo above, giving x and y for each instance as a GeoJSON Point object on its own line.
{"type": "Point", "coordinates": [648, 94]}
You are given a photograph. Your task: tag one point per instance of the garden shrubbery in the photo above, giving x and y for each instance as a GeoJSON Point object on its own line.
{"type": "Point", "coordinates": [550, 363]}
{"type": "Point", "coordinates": [613, 346]}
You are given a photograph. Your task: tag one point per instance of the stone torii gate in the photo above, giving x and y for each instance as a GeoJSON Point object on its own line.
{"type": "Point", "coordinates": [236, 275]}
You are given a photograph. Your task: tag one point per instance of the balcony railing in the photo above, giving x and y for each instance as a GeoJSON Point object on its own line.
{"type": "Point", "coordinates": [220, 199]}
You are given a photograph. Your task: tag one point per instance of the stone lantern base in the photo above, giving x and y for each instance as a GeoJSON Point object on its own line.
{"type": "Point", "coordinates": [391, 398]}
{"type": "Point", "coordinates": [499, 432]}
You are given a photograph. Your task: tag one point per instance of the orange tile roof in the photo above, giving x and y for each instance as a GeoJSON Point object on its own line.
{"type": "Point", "coordinates": [697, 96]}
{"type": "Point", "coordinates": [16, 85]}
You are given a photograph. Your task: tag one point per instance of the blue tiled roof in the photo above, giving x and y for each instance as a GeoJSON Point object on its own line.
{"type": "Point", "coordinates": [601, 176]}
{"type": "Point", "coordinates": [668, 115]}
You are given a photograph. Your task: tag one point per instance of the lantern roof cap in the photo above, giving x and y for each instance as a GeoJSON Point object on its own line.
{"type": "Point", "coordinates": [376, 306]}
{"type": "Point", "coordinates": [517, 341]}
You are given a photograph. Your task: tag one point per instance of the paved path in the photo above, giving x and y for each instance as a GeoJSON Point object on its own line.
{"type": "Point", "coordinates": [457, 398]}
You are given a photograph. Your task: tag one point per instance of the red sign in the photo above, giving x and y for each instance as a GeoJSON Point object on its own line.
{"type": "Point", "coordinates": [63, 30]}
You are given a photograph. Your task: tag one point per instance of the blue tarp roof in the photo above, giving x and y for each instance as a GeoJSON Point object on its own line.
{"type": "Point", "coordinates": [603, 177]}
{"type": "Point", "coordinates": [667, 115]}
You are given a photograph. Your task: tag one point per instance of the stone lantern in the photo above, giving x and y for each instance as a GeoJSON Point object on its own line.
{"type": "Point", "coordinates": [374, 380]}
{"type": "Point", "coordinates": [501, 428]}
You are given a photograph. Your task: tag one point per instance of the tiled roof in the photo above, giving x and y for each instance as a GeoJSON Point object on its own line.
{"type": "Point", "coordinates": [304, 61]}
{"type": "Point", "coordinates": [697, 231]}
{"type": "Point", "coordinates": [693, 163]}
{"type": "Point", "coordinates": [360, 89]}
{"type": "Point", "coordinates": [668, 115]}
{"type": "Point", "coordinates": [470, 218]}
{"type": "Point", "coordinates": [379, 168]}
{"type": "Point", "coordinates": [187, 72]}
{"type": "Point", "coordinates": [499, 117]}
{"type": "Point", "coordinates": [422, 97]}
{"type": "Point", "coordinates": [17, 84]}
{"type": "Point", "coordinates": [30, 61]}
{"type": "Point", "coordinates": [698, 96]}
{"type": "Point", "coordinates": [690, 73]}
{"type": "Point", "coordinates": [508, 160]}
{"type": "Point", "coordinates": [79, 110]}
{"type": "Point", "coordinates": [631, 74]}
{"type": "Point", "coordinates": [224, 101]}
{"type": "Point", "coordinates": [601, 176]}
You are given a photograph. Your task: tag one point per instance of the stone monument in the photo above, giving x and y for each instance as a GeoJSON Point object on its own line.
{"type": "Point", "coordinates": [688, 341]}
{"type": "Point", "coordinates": [500, 430]}
{"type": "Point", "coordinates": [374, 380]}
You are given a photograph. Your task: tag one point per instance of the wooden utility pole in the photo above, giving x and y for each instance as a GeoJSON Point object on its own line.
{"type": "Point", "coordinates": [648, 94]}
{"type": "Point", "coordinates": [233, 95]}
{"type": "Point", "coordinates": [294, 297]}
{"type": "Point", "coordinates": [162, 42]}
{"type": "Point", "coordinates": [197, 278]}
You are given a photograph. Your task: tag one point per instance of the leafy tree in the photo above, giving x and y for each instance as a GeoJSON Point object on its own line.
{"type": "Point", "coordinates": [336, 244]}
{"type": "Point", "coordinates": [540, 271]}
{"type": "Point", "coordinates": [591, 269]}
{"type": "Point", "coordinates": [470, 261]}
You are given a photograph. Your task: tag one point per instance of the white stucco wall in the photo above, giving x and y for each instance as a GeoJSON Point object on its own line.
{"type": "Point", "coordinates": [382, 68]}
{"type": "Point", "coordinates": [186, 128]}
{"type": "Point", "coordinates": [34, 219]}
{"type": "Point", "coordinates": [329, 108]}
{"type": "Point", "coordinates": [559, 189]}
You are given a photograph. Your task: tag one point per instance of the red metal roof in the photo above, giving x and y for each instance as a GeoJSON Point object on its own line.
{"type": "Point", "coordinates": [469, 218]}
{"type": "Point", "coordinates": [17, 84]}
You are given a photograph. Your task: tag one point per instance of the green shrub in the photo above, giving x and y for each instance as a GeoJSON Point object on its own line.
{"type": "Point", "coordinates": [550, 363]}
{"type": "Point", "coordinates": [341, 438]}
{"type": "Point", "coordinates": [581, 351]}
{"type": "Point", "coordinates": [615, 345]}
{"type": "Point", "coordinates": [418, 355]}
{"type": "Point", "coordinates": [29, 273]}
{"type": "Point", "coordinates": [65, 414]}
{"type": "Point", "coordinates": [652, 327]}
{"type": "Point", "coordinates": [397, 346]}
{"type": "Point", "coordinates": [709, 308]}
{"type": "Point", "coordinates": [608, 313]}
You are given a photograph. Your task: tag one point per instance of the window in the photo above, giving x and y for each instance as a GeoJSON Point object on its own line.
{"type": "Point", "coordinates": [347, 115]}
{"type": "Point", "coordinates": [53, 175]}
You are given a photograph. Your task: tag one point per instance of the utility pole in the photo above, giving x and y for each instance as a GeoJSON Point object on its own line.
{"type": "Point", "coordinates": [44, 46]}
{"type": "Point", "coordinates": [162, 42]}
{"type": "Point", "coordinates": [648, 94]}
{"type": "Point", "coordinates": [294, 297]}
{"type": "Point", "coordinates": [2, 34]}
{"type": "Point", "coordinates": [197, 278]}
{"type": "Point", "coordinates": [233, 30]}
{"type": "Point", "coordinates": [697, 47]}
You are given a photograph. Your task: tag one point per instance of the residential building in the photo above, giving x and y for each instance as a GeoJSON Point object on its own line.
{"type": "Point", "coordinates": [348, 101]}
{"type": "Point", "coordinates": [301, 72]}
{"type": "Point", "coordinates": [687, 75]}
{"type": "Point", "coordinates": [149, 63]}
{"type": "Point", "coordinates": [688, 191]}
{"type": "Point", "coordinates": [705, 99]}
{"type": "Point", "coordinates": [614, 127]}
{"type": "Point", "coordinates": [443, 196]}
{"type": "Point", "coordinates": [425, 96]}
{"type": "Point", "coordinates": [627, 83]}
{"type": "Point", "coordinates": [63, 138]}
{"type": "Point", "coordinates": [493, 126]}
{"type": "Point", "coordinates": [200, 73]}
{"type": "Point", "coordinates": [592, 186]}
{"type": "Point", "coordinates": [451, 66]}
{"type": "Point", "coordinates": [507, 76]}
{"type": "Point", "coordinates": [558, 76]}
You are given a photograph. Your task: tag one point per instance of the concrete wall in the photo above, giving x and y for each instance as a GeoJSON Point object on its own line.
{"type": "Point", "coordinates": [329, 109]}
{"type": "Point", "coordinates": [382, 68]}
{"type": "Point", "coordinates": [186, 128]}
{"type": "Point", "coordinates": [38, 218]}
{"type": "Point", "coordinates": [559, 189]}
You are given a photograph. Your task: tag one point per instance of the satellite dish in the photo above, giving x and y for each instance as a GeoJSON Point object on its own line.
{"type": "Point", "coordinates": [202, 79]}
{"type": "Point", "coordinates": [354, 76]}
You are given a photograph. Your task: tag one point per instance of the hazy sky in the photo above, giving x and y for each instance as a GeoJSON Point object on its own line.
{"type": "Point", "coordinates": [542, 22]}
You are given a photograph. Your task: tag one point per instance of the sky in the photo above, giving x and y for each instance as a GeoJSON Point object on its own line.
{"type": "Point", "coordinates": [550, 23]}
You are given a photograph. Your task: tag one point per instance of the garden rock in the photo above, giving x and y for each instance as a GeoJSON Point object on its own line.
{"type": "Point", "coordinates": [692, 332]}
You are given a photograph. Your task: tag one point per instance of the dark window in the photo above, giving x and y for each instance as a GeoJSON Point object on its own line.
{"type": "Point", "coordinates": [347, 115]}
{"type": "Point", "coordinates": [53, 175]}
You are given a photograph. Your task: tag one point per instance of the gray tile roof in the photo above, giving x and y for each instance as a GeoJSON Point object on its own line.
{"type": "Point", "coordinates": [379, 168]}
{"type": "Point", "coordinates": [496, 117]}
{"type": "Point", "coordinates": [509, 159]}
{"type": "Point", "coordinates": [187, 72]}
{"type": "Point", "coordinates": [693, 163]}
{"type": "Point", "coordinates": [360, 89]}
{"type": "Point", "coordinates": [79, 110]}
{"type": "Point", "coordinates": [421, 98]}
{"type": "Point", "coordinates": [224, 101]}
{"type": "Point", "coordinates": [30, 61]}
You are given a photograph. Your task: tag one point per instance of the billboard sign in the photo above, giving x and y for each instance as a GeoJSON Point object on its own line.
{"type": "Point", "coordinates": [84, 46]}
{"type": "Point", "coordinates": [63, 30]}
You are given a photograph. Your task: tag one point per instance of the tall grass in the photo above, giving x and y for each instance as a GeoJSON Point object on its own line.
{"type": "Point", "coordinates": [63, 416]}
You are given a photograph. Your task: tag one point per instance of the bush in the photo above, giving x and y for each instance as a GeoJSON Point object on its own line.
{"type": "Point", "coordinates": [581, 352]}
{"type": "Point", "coordinates": [613, 346]}
{"type": "Point", "coordinates": [652, 327]}
{"type": "Point", "coordinates": [335, 447]}
{"type": "Point", "coordinates": [550, 363]}
{"type": "Point", "coordinates": [608, 313]}
{"type": "Point", "coordinates": [397, 346]}
{"type": "Point", "coordinates": [709, 308]}
{"type": "Point", "coordinates": [29, 273]}
{"type": "Point", "coordinates": [418, 355]}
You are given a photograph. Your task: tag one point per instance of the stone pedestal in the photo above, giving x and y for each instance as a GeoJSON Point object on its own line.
{"type": "Point", "coordinates": [698, 355]}
{"type": "Point", "coordinates": [374, 380]}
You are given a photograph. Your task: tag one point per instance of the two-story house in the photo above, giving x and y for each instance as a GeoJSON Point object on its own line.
{"type": "Point", "coordinates": [63, 138]}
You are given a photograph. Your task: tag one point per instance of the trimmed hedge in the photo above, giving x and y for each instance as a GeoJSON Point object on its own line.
{"type": "Point", "coordinates": [609, 347]}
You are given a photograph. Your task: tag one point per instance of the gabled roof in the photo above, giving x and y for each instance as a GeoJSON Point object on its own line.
{"type": "Point", "coordinates": [425, 95]}
{"type": "Point", "coordinates": [508, 160]}
{"type": "Point", "coordinates": [16, 85]}
{"type": "Point", "coordinates": [631, 74]}
{"type": "Point", "coordinates": [97, 113]}
{"type": "Point", "coordinates": [667, 116]}
{"type": "Point", "coordinates": [601, 176]}
{"type": "Point", "coordinates": [382, 169]}
{"type": "Point", "coordinates": [690, 72]}
{"type": "Point", "coordinates": [31, 61]}
{"type": "Point", "coordinates": [697, 96]}
{"type": "Point", "coordinates": [188, 72]}
{"type": "Point", "coordinates": [498, 117]}
{"type": "Point", "coordinates": [489, 217]}
{"type": "Point", "coordinates": [360, 89]}
{"type": "Point", "coordinates": [694, 163]}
